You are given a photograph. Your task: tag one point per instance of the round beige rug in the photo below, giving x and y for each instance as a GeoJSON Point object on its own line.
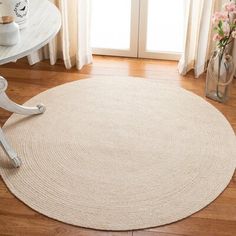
{"type": "Point", "coordinates": [120, 154]}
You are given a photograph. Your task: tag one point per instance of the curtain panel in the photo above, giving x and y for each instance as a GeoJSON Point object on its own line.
{"type": "Point", "coordinates": [72, 44]}
{"type": "Point", "coordinates": [198, 36]}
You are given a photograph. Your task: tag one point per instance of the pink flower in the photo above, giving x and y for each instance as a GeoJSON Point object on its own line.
{"type": "Point", "coordinates": [230, 7]}
{"type": "Point", "coordinates": [234, 34]}
{"type": "Point", "coordinates": [217, 37]}
{"type": "Point", "coordinates": [220, 16]}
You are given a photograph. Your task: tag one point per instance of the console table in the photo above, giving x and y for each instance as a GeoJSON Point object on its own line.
{"type": "Point", "coordinates": [44, 24]}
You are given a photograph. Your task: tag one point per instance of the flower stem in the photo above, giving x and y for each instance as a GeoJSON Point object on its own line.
{"type": "Point", "coordinates": [218, 75]}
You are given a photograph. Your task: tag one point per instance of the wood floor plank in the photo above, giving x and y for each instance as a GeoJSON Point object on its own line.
{"type": "Point", "coordinates": [219, 218]}
{"type": "Point", "coordinates": [152, 233]}
{"type": "Point", "coordinates": [199, 227]}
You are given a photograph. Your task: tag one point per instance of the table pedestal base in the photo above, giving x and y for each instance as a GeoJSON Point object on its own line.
{"type": "Point", "coordinates": [9, 105]}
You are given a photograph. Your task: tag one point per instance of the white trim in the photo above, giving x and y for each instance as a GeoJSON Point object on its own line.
{"type": "Point", "coordinates": [170, 56]}
{"type": "Point", "coordinates": [143, 22]}
{"type": "Point", "coordinates": [114, 52]}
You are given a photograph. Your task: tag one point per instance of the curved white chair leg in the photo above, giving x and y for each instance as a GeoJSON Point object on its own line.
{"type": "Point", "coordinates": [16, 161]}
{"type": "Point", "coordinates": [11, 106]}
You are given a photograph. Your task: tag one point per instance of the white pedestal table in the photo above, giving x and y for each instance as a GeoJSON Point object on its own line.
{"type": "Point", "coordinates": [44, 24]}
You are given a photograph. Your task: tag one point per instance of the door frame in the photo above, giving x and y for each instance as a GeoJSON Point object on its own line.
{"type": "Point", "coordinates": [138, 37]}
{"type": "Point", "coordinates": [143, 25]}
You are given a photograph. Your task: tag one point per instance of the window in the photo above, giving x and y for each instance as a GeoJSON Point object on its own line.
{"type": "Point", "coordinates": [138, 28]}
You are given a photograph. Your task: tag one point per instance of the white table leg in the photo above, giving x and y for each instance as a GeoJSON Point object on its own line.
{"type": "Point", "coordinates": [11, 106]}
{"type": "Point", "coordinates": [9, 150]}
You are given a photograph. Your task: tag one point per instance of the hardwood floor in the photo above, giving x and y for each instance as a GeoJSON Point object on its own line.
{"type": "Point", "coordinates": [219, 218]}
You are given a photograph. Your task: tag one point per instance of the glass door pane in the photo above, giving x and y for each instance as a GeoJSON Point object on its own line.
{"type": "Point", "coordinates": [114, 26]}
{"type": "Point", "coordinates": [165, 29]}
{"type": "Point", "coordinates": [111, 24]}
{"type": "Point", "coordinates": [161, 34]}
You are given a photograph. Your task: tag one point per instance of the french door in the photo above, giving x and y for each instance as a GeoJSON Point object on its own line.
{"type": "Point", "coordinates": [115, 27]}
{"type": "Point", "coordinates": [138, 28]}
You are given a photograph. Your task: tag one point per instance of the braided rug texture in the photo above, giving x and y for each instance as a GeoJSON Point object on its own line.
{"type": "Point", "coordinates": [119, 154]}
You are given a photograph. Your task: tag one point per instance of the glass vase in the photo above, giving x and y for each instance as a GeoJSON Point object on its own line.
{"type": "Point", "coordinates": [220, 74]}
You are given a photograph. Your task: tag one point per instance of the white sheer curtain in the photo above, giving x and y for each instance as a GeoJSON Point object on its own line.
{"type": "Point", "coordinates": [73, 42]}
{"type": "Point", "coordinates": [198, 36]}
